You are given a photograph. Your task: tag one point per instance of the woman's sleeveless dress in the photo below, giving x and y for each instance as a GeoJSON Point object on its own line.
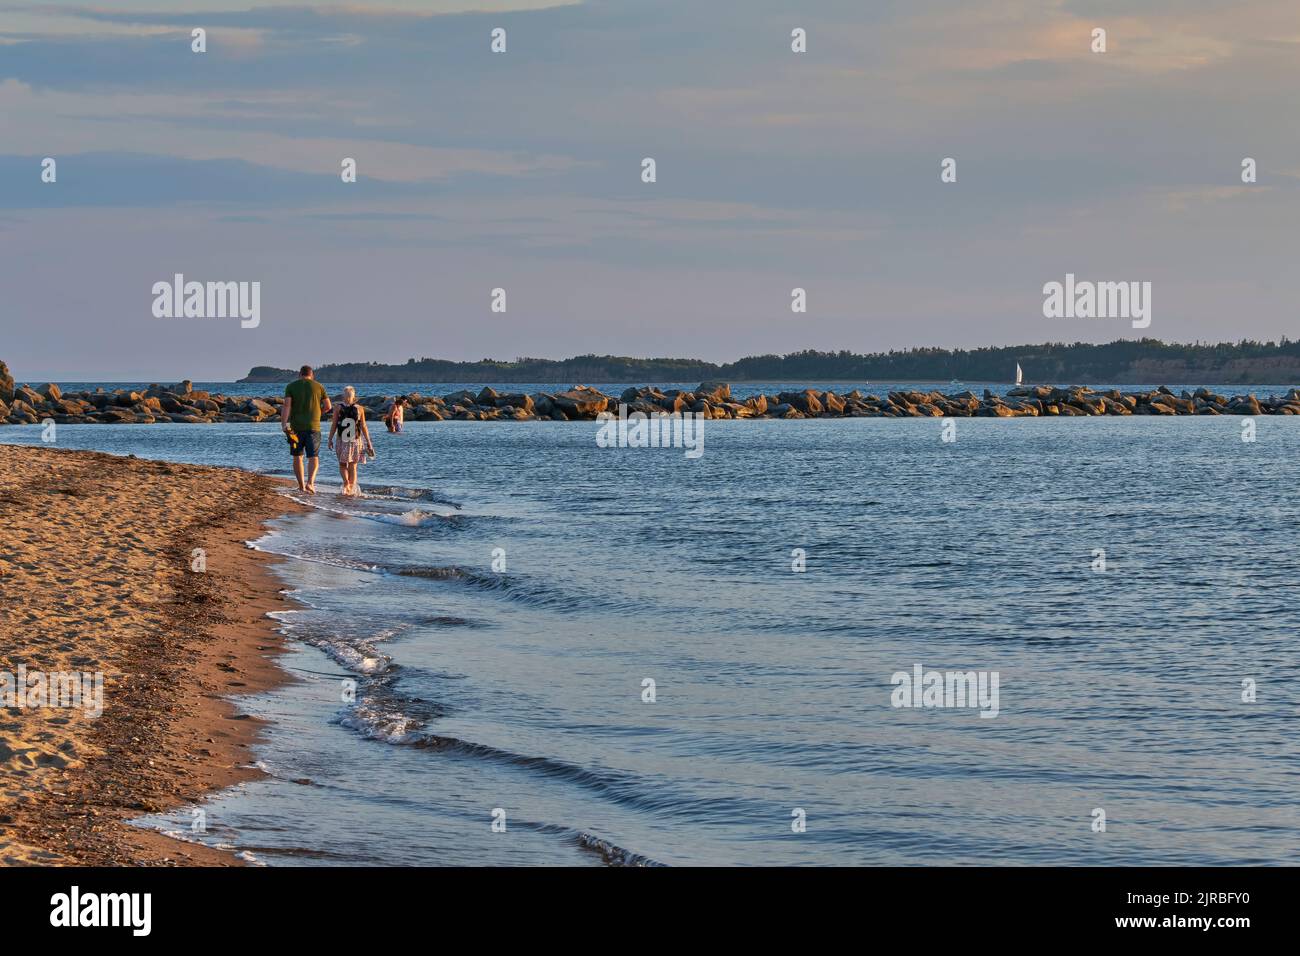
{"type": "Point", "coordinates": [354, 450]}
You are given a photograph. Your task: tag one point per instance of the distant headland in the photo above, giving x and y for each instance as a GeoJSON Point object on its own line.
{"type": "Point", "coordinates": [1134, 360]}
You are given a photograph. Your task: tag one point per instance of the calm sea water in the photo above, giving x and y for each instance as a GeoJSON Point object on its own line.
{"type": "Point", "coordinates": [521, 690]}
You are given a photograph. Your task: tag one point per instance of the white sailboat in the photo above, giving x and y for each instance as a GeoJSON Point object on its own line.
{"type": "Point", "coordinates": [1020, 376]}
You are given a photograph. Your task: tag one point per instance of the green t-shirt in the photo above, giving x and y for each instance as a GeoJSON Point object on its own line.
{"type": "Point", "coordinates": [306, 395]}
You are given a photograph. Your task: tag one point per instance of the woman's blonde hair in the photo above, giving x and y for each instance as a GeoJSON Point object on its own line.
{"type": "Point", "coordinates": [349, 393]}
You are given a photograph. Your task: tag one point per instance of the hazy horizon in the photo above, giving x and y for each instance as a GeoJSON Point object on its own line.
{"type": "Point", "coordinates": [522, 170]}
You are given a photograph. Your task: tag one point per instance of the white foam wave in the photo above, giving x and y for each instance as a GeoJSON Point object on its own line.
{"type": "Point", "coordinates": [414, 518]}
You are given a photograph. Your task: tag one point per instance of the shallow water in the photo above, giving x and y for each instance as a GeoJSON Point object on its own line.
{"type": "Point", "coordinates": [479, 689]}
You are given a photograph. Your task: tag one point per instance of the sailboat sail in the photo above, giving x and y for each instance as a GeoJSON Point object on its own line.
{"type": "Point", "coordinates": [1019, 374]}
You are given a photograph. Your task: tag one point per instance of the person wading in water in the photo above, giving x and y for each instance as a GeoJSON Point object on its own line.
{"type": "Point", "coordinates": [395, 414]}
{"type": "Point", "coordinates": [305, 400]}
{"type": "Point", "coordinates": [349, 425]}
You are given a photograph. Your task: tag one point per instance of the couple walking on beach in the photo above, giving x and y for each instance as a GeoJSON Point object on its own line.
{"type": "Point", "coordinates": [305, 401]}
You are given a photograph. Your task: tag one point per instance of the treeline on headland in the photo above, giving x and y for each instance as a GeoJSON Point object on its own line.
{"type": "Point", "coordinates": [1122, 361]}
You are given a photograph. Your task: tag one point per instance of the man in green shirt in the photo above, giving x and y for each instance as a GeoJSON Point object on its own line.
{"type": "Point", "coordinates": [305, 400]}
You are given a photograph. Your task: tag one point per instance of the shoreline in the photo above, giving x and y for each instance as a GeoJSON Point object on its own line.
{"type": "Point", "coordinates": [100, 547]}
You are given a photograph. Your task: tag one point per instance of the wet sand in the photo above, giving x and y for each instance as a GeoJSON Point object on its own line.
{"type": "Point", "coordinates": [95, 568]}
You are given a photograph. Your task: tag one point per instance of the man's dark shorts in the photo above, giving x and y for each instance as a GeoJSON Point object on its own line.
{"type": "Point", "coordinates": [308, 444]}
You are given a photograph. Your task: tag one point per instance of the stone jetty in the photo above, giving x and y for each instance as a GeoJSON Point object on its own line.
{"type": "Point", "coordinates": [180, 403]}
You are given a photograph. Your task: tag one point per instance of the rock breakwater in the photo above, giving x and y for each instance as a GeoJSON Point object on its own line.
{"type": "Point", "coordinates": [181, 403]}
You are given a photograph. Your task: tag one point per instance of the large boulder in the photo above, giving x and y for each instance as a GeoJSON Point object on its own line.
{"type": "Point", "coordinates": [51, 391]}
{"type": "Point", "coordinates": [1026, 407]}
{"type": "Point", "coordinates": [28, 395]}
{"type": "Point", "coordinates": [999, 410]}
{"type": "Point", "coordinates": [71, 406]}
{"type": "Point", "coordinates": [714, 392]}
{"type": "Point", "coordinates": [807, 402]}
{"type": "Point", "coordinates": [900, 403]}
{"type": "Point", "coordinates": [518, 401]}
{"type": "Point", "coordinates": [648, 409]}
{"type": "Point", "coordinates": [1179, 405]}
{"type": "Point", "coordinates": [862, 410]}
{"type": "Point", "coordinates": [260, 410]}
{"type": "Point", "coordinates": [1114, 407]}
{"type": "Point", "coordinates": [581, 402]}
{"type": "Point", "coordinates": [1245, 405]}
{"type": "Point", "coordinates": [6, 384]}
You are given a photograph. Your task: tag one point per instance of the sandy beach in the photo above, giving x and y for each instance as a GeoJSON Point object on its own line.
{"type": "Point", "coordinates": [96, 568]}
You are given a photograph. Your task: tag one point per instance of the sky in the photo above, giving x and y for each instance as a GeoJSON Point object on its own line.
{"type": "Point", "coordinates": [522, 171]}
